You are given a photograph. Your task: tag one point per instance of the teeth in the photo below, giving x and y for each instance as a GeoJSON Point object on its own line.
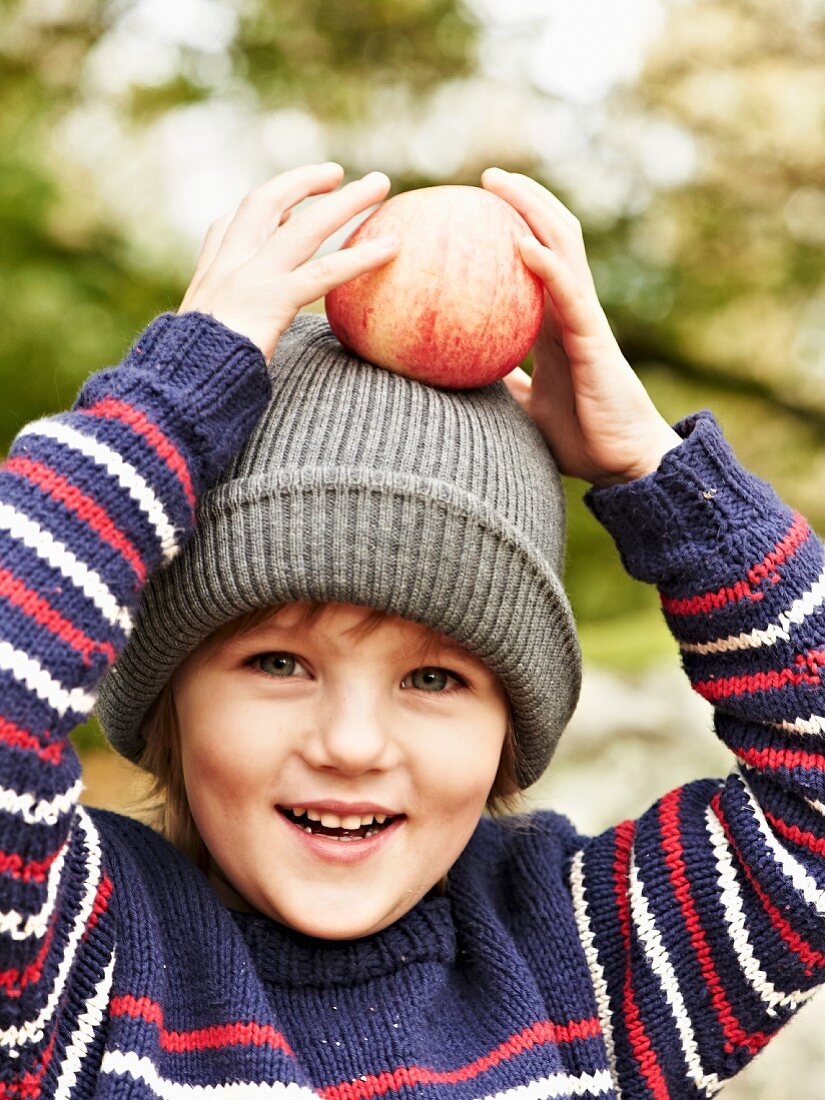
{"type": "Point", "coordinates": [335, 821]}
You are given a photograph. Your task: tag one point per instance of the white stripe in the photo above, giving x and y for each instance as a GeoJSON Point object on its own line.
{"type": "Point", "coordinates": [59, 557]}
{"type": "Point", "coordinates": [736, 924]}
{"type": "Point", "coordinates": [594, 965]}
{"type": "Point", "coordinates": [557, 1087]}
{"type": "Point", "coordinates": [84, 1034]}
{"type": "Point", "coordinates": [815, 804]}
{"type": "Point", "coordinates": [127, 476]}
{"type": "Point", "coordinates": [129, 1064]}
{"type": "Point", "coordinates": [31, 673]}
{"type": "Point", "coordinates": [814, 724]}
{"type": "Point", "coordinates": [660, 963]}
{"type": "Point", "coordinates": [33, 1031]}
{"type": "Point", "coordinates": [802, 882]}
{"type": "Point", "coordinates": [20, 927]}
{"type": "Point", "coordinates": [45, 812]}
{"type": "Point", "coordinates": [775, 632]}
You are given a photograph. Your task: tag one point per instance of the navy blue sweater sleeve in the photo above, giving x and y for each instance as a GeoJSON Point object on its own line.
{"type": "Point", "coordinates": [704, 921]}
{"type": "Point", "coordinates": [91, 502]}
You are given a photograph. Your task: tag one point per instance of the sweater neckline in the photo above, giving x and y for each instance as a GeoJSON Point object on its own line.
{"type": "Point", "coordinates": [283, 956]}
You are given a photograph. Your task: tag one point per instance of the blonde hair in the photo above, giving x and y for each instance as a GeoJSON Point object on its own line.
{"type": "Point", "coordinates": [167, 806]}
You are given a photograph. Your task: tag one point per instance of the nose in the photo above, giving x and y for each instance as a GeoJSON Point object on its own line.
{"type": "Point", "coordinates": [350, 734]}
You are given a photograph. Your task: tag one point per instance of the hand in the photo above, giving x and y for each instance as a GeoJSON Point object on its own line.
{"type": "Point", "coordinates": [585, 398]}
{"type": "Point", "coordinates": [255, 270]}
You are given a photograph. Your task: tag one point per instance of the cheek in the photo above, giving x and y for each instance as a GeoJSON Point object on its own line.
{"type": "Point", "coordinates": [219, 763]}
{"type": "Point", "coordinates": [461, 770]}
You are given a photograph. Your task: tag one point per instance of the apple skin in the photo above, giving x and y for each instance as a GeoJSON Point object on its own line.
{"type": "Point", "coordinates": [457, 307]}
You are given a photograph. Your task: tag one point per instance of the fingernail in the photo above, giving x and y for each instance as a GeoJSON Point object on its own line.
{"type": "Point", "coordinates": [385, 244]}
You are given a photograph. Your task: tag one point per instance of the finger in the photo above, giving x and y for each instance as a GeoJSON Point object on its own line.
{"type": "Point", "coordinates": [538, 189]}
{"type": "Point", "coordinates": [263, 208]}
{"type": "Point", "coordinates": [497, 178]}
{"type": "Point", "coordinates": [552, 223]}
{"type": "Point", "coordinates": [307, 229]}
{"type": "Point", "coordinates": [209, 248]}
{"type": "Point", "coordinates": [315, 279]}
{"type": "Point", "coordinates": [519, 383]}
{"type": "Point", "coordinates": [578, 308]}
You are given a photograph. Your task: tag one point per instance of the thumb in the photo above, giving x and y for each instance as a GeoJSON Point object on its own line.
{"type": "Point", "coordinates": [520, 385]}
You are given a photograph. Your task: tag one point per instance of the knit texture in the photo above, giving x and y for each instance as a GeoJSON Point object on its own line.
{"type": "Point", "coordinates": [361, 486]}
{"type": "Point", "coordinates": [653, 960]}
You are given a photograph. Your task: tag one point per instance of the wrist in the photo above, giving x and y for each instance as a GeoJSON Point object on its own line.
{"type": "Point", "coordinates": [669, 526]}
{"type": "Point", "coordinates": [201, 383]}
{"type": "Point", "coordinates": [646, 462]}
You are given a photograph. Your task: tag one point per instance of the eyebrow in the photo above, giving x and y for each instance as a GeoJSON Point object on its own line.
{"type": "Point", "coordinates": [435, 643]}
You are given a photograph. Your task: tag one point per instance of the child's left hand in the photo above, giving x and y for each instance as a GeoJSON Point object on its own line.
{"type": "Point", "coordinates": [588, 403]}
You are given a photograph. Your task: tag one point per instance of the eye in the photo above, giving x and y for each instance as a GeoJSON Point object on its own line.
{"type": "Point", "coordinates": [434, 680]}
{"type": "Point", "coordinates": [278, 665]}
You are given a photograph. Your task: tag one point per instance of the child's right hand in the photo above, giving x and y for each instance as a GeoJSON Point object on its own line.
{"type": "Point", "coordinates": [256, 271]}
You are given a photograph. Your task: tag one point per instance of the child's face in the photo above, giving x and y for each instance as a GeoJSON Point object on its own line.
{"type": "Point", "coordinates": [315, 716]}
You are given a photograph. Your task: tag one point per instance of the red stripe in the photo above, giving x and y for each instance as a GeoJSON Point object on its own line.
{"type": "Point", "coordinates": [782, 758]}
{"type": "Point", "coordinates": [28, 1085]}
{"type": "Point", "coordinates": [84, 507]}
{"type": "Point", "coordinates": [812, 958]}
{"type": "Point", "coordinates": [32, 871]}
{"type": "Point", "coordinates": [224, 1035]}
{"type": "Point", "coordinates": [765, 570]}
{"type": "Point", "coordinates": [392, 1080]}
{"type": "Point", "coordinates": [735, 1035]}
{"type": "Point", "coordinates": [139, 1008]}
{"type": "Point", "coordinates": [100, 905]}
{"type": "Point", "coordinates": [640, 1042]}
{"type": "Point", "coordinates": [112, 409]}
{"type": "Point", "coordinates": [802, 837]}
{"type": "Point", "coordinates": [14, 981]}
{"type": "Point", "coordinates": [18, 738]}
{"type": "Point", "coordinates": [203, 1038]}
{"type": "Point", "coordinates": [804, 672]}
{"type": "Point", "coordinates": [44, 614]}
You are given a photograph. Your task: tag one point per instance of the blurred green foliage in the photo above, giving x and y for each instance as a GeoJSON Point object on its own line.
{"type": "Point", "coordinates": [331, 57]}
{"type": "Point", "coordinates": [714, 286]}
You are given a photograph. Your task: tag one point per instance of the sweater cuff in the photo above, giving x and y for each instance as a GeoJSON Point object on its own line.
{"type": "Point", "coordinates": [699, 515]}
{"type": "Point", "coordinates": [198, 380]}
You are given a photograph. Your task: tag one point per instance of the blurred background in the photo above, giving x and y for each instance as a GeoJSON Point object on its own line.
{"type": "Point", "coordinates": [688, 137]}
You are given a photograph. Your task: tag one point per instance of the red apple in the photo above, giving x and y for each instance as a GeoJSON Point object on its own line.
{"type": "Point", "coordinates": [457, 307]}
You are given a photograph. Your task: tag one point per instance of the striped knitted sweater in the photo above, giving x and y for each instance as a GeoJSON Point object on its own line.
{"type": "Point", "coordinates": [653, 960]}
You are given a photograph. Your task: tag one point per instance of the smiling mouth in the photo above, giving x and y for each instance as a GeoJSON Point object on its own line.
{"type": "Point", "coordinates": [367, 828]}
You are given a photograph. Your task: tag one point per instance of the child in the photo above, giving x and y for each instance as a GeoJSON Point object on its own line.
{"type": "Point", "coordinates": [363, 642]}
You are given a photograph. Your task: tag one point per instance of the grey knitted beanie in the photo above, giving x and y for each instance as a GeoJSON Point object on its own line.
{"type": "Point", "coordinates": [361, 486]}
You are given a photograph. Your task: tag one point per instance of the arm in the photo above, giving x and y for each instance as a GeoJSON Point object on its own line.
{"type": "Point", "coordinates": [703, 921]}
{"type": "Point", "coordinates": [91, 502]}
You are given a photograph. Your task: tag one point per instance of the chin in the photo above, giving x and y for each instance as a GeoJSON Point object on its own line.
{"type": "Point", "coordinates": [333, 914]}
{"type": "Point", "coordinates": [332, 926]}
